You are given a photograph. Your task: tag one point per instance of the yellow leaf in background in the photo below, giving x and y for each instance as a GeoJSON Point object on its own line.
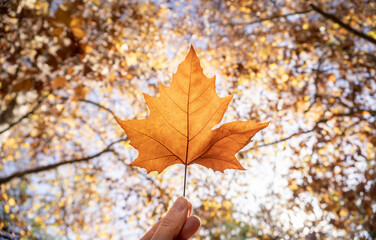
{"type": "Point", "coordinates": [129, 76]}
{"type": "Point", "coordinates": [273, 66]}
{"type": "Point", "coordinates": [96, 2]}
{"type": "Point", "coordinates": [293, 186]}
{"type": "Point", "coordinates": [227, 204]}
{"type": "Point", "coordinates": [103, 235]}
{"type": "Point", "coordinates": [372, 33]}
{"type": "Point", "coordinates": [245, 9]}
{"type": "Point", "coordinates": [12, 202]}
{"type": "Point", "coordinates": [343, 213]}
{"type": "Point", "coordinates": [87, 48]}
{"type": "Point", "coordinates": [37, 219]}
{"type": "Point", "coordinates": [366, 113]}
{"type": "Point", "coordinates": [112, 77]}
{"type": "Point", "coordinates": [42, 7]}
{"type": "Point", "coordinates": [131, 59]}
{"type": "Point", "coordinates": [76, 28]}
{"type": "Point", "coordinates": [106, 89]}
{"type": "Point", "coordinates": [6, 209]}
{"type": "Point", "coordinates": [331, 78]}
{"type": "Point", "coordinates": [285, 77]}
{"type": "Point", "coordinates": [367, 128]}
{"type": "Point", "coordinates": [326, 198]}
{"type": "Point", "coordinates": [58, 82]}
{"type": "Point", "coordinates": [75, 23]}
{"type": "Point", "coordinates": [78, 33]}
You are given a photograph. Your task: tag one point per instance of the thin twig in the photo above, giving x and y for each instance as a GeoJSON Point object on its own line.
{"type": "Point", "coordinates": [98, 105]}
{"type": "Point", "coordinates": [344, 25]}
{"type": "Point", "coordinates": [56, 165]}
{"type": "Point", "coordinates": [272, 18]}
{"type": "Point", "coordinates": [22, 118]}
{"type": "Point", "coordinates": [284, 139]}
{"type": "Point", "coordinates": [95, 104]}
{"type": "Point", "coordinates": [323, 120]}
{"type": "Point", "coordinates": [185, 178]}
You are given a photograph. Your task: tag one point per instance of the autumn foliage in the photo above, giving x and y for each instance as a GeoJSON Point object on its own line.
{"type": "Point", "coordinates": [69, 68]}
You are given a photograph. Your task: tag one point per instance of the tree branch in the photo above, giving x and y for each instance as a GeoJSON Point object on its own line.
{"type": "Point", "coordinates": [285, 139]}
{"type": "Point", "coordinates": [323, 120]}
{"type": "Point", "coordinates": [272, 18]}
{"type": "Point", "coordinates": [344, 25]}
{"type": "Point", "coordinates": [56, 165]}
{"type": "Point", "coordinates": [95, 104]}
{"type": "Point", "coordinates": [98, 105]}
{"type": "Point", "coordinates": [22, 118]}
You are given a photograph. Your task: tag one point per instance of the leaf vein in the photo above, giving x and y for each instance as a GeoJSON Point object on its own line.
{"type": "Point", "coordinates": [168, 121]}
{"type": "Point", "coordinates": [153, 139]}
{"type": "Point", "coordinates": [221, 159]}
{"type": "Point", "coordinates": [207, 121]}
{"type": "Point", "coordinates": [201, 107]}
{"type": "Point", "coordinates": [207, 87]}
{"type": "Point", "coordinates": [150, 159]}
{"type": "Point", "coordinates": [177, 84]}
{"type": "Point", "coordinates": [212, 145]}
{"type": "Point", "coordinates": [172, 100]}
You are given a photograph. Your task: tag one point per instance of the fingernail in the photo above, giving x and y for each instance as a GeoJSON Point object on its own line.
{"type": "Point", "coordinates": [181, 204]}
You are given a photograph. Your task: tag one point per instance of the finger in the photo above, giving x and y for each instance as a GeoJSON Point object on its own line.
{"type": "Point", "coordinates": [151, 232]}
{"type": "Point", "coordinates": [190, 209]}
{"type": "Point", "coordinates": [174, 220]}
{"type": "Point", "coordinates": [190, 227]}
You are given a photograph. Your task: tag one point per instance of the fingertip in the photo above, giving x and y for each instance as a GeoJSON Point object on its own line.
{"type": "Point", "coordinates": [173, 221]}
{"type": "Point", "coordinates": [196, 220]}
{"type": "Point", "coordinates": [181, 204]}
{"type": "Point", "coordinates": [191, 226]}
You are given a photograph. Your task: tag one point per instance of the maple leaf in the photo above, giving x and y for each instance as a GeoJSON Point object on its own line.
{"type": "Point", "coordinates": [179, 128]}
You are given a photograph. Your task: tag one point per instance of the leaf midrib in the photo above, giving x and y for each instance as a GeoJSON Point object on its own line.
{"type": "Point", "coordinates": [189, 92]}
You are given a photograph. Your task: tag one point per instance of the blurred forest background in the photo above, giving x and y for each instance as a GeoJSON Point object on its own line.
{"type": "Point", "coordinates": [68, 67]}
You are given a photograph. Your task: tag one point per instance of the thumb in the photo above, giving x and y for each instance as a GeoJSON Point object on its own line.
{"type": "Point", "coordinates": [173, 222]}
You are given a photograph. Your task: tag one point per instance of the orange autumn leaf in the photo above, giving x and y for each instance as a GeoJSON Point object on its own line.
{"type": "Point", "coordinates": [180, 126]}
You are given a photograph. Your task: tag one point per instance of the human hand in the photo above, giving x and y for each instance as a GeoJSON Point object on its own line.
{"type": "Point", "coordinates": [177, 224]}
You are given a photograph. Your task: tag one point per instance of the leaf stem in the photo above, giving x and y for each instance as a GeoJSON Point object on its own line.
{"type": "Point", "coordinates": [185, 178]}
